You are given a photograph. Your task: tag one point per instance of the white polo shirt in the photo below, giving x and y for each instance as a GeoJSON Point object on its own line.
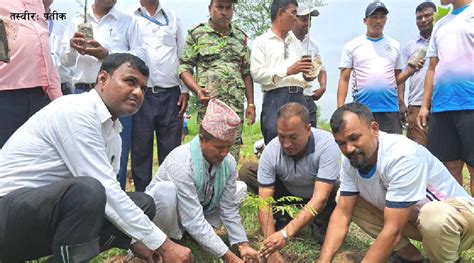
{"type": "Point", "coordinates": [373, 63]}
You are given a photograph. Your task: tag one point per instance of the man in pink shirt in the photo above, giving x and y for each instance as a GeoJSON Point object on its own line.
{"type": "Point", "coordinates": [30, 75]}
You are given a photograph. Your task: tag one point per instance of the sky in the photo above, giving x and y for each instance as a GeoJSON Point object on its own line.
{"type": "Point", "coordinates": [339, 22]}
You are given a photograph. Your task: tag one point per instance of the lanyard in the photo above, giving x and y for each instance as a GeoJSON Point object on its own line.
{"type": "Point", "coordinates": [152, 19]}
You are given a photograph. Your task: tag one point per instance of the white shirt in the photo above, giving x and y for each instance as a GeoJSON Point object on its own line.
{"type": "Point", "coordinates": [71, 137]}
{"type": "Point", "coordinates": [417, 81]}
{"type": "Point", "coordinates": [55, 39]}
{"type": "Point", "coordinates": [373, 63]}
{"type": "Point", "coordinates": [115, 31]}
{"type": "Point", "coordinates": [164, 45]}
{"type": "Point", "coordinates": [268, 65]}
{"type": "Point", "coordinates": [406, 174]}
{"type": "Point", "coordinates": [314, 51]}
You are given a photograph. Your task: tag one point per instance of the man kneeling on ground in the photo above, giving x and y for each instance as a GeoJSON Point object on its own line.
{"type": "Point", "coordinates": [395, 190]}
{"type": "Point", "coordinates": [59, 191]}
{"type": "Point", "coordinates": [197, 183]}
{"type": "Point", "coordinates": [303, 162]}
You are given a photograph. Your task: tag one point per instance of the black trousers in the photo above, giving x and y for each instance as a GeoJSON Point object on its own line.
{"type": "Point", "coordinates": [65, 219]}
{"type": "Point", "coordinates": [16, 107]}
{"type": "Point", "coordinates": [158, 115]}
{"type": "Point", "coordinates": [312, 108]}
{"type": "Point", "coordinates": [272, 102]}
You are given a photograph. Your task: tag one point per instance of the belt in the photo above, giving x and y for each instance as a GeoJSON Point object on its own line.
{"type": "Point", "coordinates": [158, 89]}
{"type": "Point", "coordinates": [287, 89]}
{"type": "Point", "coordinates": [85, 86]}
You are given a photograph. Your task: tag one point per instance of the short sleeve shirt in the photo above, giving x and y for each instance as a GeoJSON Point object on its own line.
{"type": "Point", "coordinates": [373, 63]}
{"type": "Point", "coordinates": [321, 161]}
{"type": "Point", "coordinates": [452, 42]}
{"type": "Point", "coordinates": [403, 176]}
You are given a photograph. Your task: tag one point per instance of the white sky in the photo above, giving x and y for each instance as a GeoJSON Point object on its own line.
{"type": "Point", "coordinates": [339, 21]}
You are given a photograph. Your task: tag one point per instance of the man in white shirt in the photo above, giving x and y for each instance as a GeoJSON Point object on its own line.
{"type": "Point", "coordinates": [59, 190]}
{"type": "Point", "coordinates": [113, 31]}
{"type": "Point", "coordinates": [301, 31]}
{"type": "Point", "coordinates": [424, 21]}
{"type": "Point", "coordinates": [395, 190]}
{"type": "Point", "coordinates": [374, 62]}
{"type": "Point", "coordinates": [277, 66]}
{"type": "Point", "coordinates": [166, 98]}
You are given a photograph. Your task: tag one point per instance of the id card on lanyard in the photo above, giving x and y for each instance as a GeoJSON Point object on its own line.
{"type": "Point", "coordinates": [154, 20]}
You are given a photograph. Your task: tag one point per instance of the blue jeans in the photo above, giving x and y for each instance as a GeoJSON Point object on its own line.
{"type": "Point", "coordinates": [126, 136]}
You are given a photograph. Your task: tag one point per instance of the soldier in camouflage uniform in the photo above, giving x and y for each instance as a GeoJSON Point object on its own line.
{"type": "Point", "coordinates": [215, 63]}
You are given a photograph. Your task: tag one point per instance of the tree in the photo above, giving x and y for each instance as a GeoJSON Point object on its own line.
{"type": "Point", "coordinates": [253, 16]}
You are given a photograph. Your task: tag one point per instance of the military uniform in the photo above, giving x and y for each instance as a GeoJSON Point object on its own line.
{"type": "Point", "coordinates": [223, 60]}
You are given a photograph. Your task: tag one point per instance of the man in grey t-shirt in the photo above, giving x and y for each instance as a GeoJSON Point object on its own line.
{"type": "Point", "coordinates": [301, 162]}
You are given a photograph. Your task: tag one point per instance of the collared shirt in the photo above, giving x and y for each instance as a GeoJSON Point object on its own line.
{"type": "Point", "coordinates": [402, 177]}
{"type": "Point", "coordinates": [55, 40]}
{"type": "Point", "coordinates": [417, 81]}
{"type": "Point", "coordinates": [164, 45]}
{"type": "Point", "coordinates": [178, 168]}
{"type": "Point", "coordinates": [115, 31]}
{"type": "Point", "coordinates": [71, 137]}
{"type": "Point", "coordinates": [269, 64]}
{"type": "Point", "coordinates": [373, 63]}
{"type": "Point", "coordinates": [319, 163]}
{"type": "Point", "coordinates": [313, 47]}
{"type": "Point", "coordinates": [452, 43]}
{"type": "Point", "coordinates": [207, 53]}
{"type": "Point", "coordinates": [30, 54]}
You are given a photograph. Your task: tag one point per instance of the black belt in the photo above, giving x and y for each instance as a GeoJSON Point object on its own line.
{"type": "Point", "coordinates": [86, 86]}
{"type": "Point", "coordinates": [158, 89]}
{"type": "Point", "coordinates": [288, 89]}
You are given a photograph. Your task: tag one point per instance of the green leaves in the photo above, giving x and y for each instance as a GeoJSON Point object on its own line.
{"type": "Point", "coordinates": [440, 13]}
{"type": "Point", "coordinates": [252, 203]}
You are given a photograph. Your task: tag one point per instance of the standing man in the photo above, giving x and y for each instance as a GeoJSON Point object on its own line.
{"type": "Point", "coordinates": [29, 52]}
{"type": "Point", "coordinates": [60, 195]}
{"type": "Point", "coordinates": [166, 98]}
{"type": "Point", "coordinates": [424, 21]}
{"type": "Point", "coordinates": [113, 32]}
{"type": "Point", "coordinates": [301, 162]}
{"type": "Point", "coordinates": [374, 61]}
{"type": "Point", "coordinates": [215, 63]}
{"type": "Point", "coordinates": [449, 90]}
{"type": "Point", "coordinates": [395, 194]}
{"type": "Point", "coordinates": [301, 31]}
{"type": "Point", "coordinates": [277, 65]}
{"type": "Point", "coordinates": [195, 189]}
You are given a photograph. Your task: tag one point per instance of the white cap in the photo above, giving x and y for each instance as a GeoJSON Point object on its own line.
{"type": "Point", "coordinates": [304, 9]}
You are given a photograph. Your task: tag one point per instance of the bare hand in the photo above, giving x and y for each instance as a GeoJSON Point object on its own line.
{"type": "Point", "coordinates": [230, 257]}
{"type": "Point", "coordinates": [302, 65]}
{"type": "Point", "coordinates": [203, 96]}
{"type": "Point", "coordinates": [250, 115]}
{"type": "Point", "coordinates": [272, 244]}
{"type": "Point", "coordinates": [318, 93]}
{"type": "Point", "coordinates": [171, 252]}
{"type": "Point", "coordinates": [403, 112]}
{"type": "Point", "coordinates": [249, 254]}
{"type": "Point", "coordinates": [183, 103]}
{"type": "Point", "coordinates": [78, 42]}
{"type": "Point", "coordinates": [276, 258]}
{"type": "Point", "coordinates": [422, 118]}
{"type": "Point", "coordinates": [96, 49]}
{"type": "Point", "coordinates": [141, 251]}
{"type": "Point", "coordinates": [420, 64]}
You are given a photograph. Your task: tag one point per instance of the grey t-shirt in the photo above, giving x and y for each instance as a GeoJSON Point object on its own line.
{"type": "Point", "coordinates": [320, 162]}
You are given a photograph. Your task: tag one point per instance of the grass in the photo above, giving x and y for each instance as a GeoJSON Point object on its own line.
{"type": "Point", "coordinates": [301, 249]}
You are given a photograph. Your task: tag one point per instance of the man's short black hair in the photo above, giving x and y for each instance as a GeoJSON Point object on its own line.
{"type": "Point", "coordinates": [280, 4]}
{"type": "Point", "coordinates": [294, 109]}
{"type": "Point", "coordinates": [359, 109]}
{"type": "Point", "coordinates": [114, 61]}
{"type": "Point", "coordinates": [425, 5]}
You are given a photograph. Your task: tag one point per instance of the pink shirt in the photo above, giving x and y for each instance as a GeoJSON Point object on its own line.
{"type": "Point", "coordinates": [30, 55]}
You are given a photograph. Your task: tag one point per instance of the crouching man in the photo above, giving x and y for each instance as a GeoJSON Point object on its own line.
{"type": "Point", "coordinates": [59, 191]}
{"type": "Point", "coordinates": [195, 189]}
{"type": "Point", "coordinates": [395, 190]}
